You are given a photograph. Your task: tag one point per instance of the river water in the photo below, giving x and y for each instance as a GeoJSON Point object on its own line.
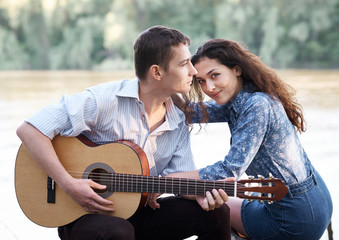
{"type": "Point", "coordinates": [23, 93]}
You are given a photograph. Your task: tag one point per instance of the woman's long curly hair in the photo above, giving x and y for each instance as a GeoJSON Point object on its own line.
{"type": "Point", "coordinates": [253, 70]}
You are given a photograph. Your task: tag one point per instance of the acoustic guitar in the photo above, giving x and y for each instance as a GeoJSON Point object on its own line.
{"type": "Point", "coordinates": [123, 167]}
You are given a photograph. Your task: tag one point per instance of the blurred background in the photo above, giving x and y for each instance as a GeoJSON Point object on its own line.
{"type": "Point", "coordinates": [99, 34]}
{"type": "Point", "coordinates": [53, 47]}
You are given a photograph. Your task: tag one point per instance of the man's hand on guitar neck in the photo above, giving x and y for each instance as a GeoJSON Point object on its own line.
{"type": "Point", "coordinates": [212, 200]}
{"type": "Point", "coordinates": [209, 202]}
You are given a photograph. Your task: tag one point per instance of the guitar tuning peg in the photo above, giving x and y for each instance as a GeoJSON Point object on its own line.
{"type": "Point", "coordinates": [250, 177]}
{"type": "Point", "coordinates": [260, 176]}
{"type": "Point", "coordinates": [270, 202]}
{"type": "Point", "coordinates": [261, 201]}
{"type": "Point", "coordinates": [270, 176]}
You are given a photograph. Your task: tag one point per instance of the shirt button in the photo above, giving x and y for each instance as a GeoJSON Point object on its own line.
{"type": "Point", "coordinates": [243, 149]}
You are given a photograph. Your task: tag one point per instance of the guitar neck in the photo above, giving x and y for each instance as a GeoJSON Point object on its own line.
{"type": "Point", "coordinates": [138, 183]}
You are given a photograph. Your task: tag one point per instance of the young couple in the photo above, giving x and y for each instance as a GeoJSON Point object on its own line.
{"type": "Point", "coordinates": [263, 119]}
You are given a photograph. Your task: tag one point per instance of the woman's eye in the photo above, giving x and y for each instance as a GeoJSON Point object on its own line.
{"type": "Point", "coordinates": [200, 81]}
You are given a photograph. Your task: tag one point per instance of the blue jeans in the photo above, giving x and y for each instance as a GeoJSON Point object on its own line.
{"type": "Point", "coordinates": [303, 214]}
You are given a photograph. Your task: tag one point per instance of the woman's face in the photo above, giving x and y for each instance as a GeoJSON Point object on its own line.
{"type": "Point", "coordinates": [219, 82]}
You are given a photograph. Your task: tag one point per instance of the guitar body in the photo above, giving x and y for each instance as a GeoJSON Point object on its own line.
{"type": "Point", "coordinates": [31, 180]}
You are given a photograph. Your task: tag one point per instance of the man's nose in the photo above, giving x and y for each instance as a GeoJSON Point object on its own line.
{"type": "Point", "coordinates": [193, 70]}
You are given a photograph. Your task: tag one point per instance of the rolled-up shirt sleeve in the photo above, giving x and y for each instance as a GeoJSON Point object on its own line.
{"type": "Point", "coordinates": [216, 112]}
{"type": "Point", "coordinates": [71, 116]}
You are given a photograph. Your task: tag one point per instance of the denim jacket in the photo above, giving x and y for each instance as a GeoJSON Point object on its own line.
{"type": "Point", "coordinates": [263, 139]}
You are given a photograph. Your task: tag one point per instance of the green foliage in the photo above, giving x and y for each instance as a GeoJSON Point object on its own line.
{"type": "Point", "coordinates": [99, 34]}
{"type": "Point", "coordinates": [12, 55]}
{"type": "Point", "coordinates": [79, 45]}
{"type": "Point", "coordinates": [35, 40]}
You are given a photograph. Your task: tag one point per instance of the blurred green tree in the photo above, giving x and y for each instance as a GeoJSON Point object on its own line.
{"type": "Point", "coordinates": [99, 34]}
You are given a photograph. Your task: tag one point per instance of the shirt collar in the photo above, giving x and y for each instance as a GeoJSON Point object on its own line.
{"type": "Point", "coordinates": [130, 89]}
{"type": "Point", "coordinates": [173, 118]}
{"type": "Point", "coordinates": [172, 114]}
{"type": "Point", "coordinates": [241, 98]}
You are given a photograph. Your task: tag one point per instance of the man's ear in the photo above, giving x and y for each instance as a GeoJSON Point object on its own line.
{"type": "Point", "coordinates": [155, 72]}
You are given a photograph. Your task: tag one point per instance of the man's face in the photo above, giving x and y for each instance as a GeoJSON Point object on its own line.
{"type": "Point", "coordinates": [179, 75]}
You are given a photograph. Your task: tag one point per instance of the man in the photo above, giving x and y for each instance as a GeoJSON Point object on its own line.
{"type": "Point", "coordinates": [141, 111]}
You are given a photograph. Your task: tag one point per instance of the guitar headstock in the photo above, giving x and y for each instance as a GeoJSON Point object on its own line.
{"type": "Point", "coordinates": [262, 189]}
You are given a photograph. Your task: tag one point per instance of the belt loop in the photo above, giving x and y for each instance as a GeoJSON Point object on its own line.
{"type": "Point", "coordinates": [314, 178]}
{"type": "Point", "coordinates": [313, 171]}
{"type": "Point", "coordinates": [290, 194]}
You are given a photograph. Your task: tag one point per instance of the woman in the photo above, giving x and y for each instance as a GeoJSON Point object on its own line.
{"type": "Point", "coordinates": [264, 119]}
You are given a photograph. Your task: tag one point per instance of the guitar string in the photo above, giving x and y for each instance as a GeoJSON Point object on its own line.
{"type": "Point", "coordinates": [109, 176]}
{"type": "Point", "coordinates": [130, 177]}
{"type": "Point", "coordinates": [168, 188]}
{"type": "Point", "coordinates": [189, 190]}
{"type": "Point", "coordinates": [127, 179]}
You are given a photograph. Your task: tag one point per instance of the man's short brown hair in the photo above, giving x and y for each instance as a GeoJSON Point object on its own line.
{"type": "Point", "coordinates": [154, 46]}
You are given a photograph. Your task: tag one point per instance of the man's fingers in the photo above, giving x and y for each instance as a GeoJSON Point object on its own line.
{"type": "Point", "coordinates": [210, 200]}
{"type": "Point", "coordinates": [220, 197]}
{"type": "Point", "coordinates": [102, 201]}
{"type": "Point", "coordinates": [96, 185]}
{"type": "Point", "coordinates": [205, 205]}
{"type": "Point", "coordinates": [102, 207]}
{"type": "Point", "coordinates": [223, 195]}
{"type": "Point", "coordinates": [152, 200]}
{"type": "Point", "coordinates": [98, 204]}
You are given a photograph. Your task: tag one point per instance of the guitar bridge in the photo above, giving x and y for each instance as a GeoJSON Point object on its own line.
{"type": "Point", "coordinates": [50, 190]}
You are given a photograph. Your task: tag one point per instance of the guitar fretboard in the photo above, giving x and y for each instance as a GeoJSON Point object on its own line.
{"type": "Point", "coordinates": [138, 183]}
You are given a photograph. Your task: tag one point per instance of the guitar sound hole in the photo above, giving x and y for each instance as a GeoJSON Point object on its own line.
{"type": "Point", "coordinates": [100, 176]}
{"type": "Point", "coordinates": [100, 173]}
